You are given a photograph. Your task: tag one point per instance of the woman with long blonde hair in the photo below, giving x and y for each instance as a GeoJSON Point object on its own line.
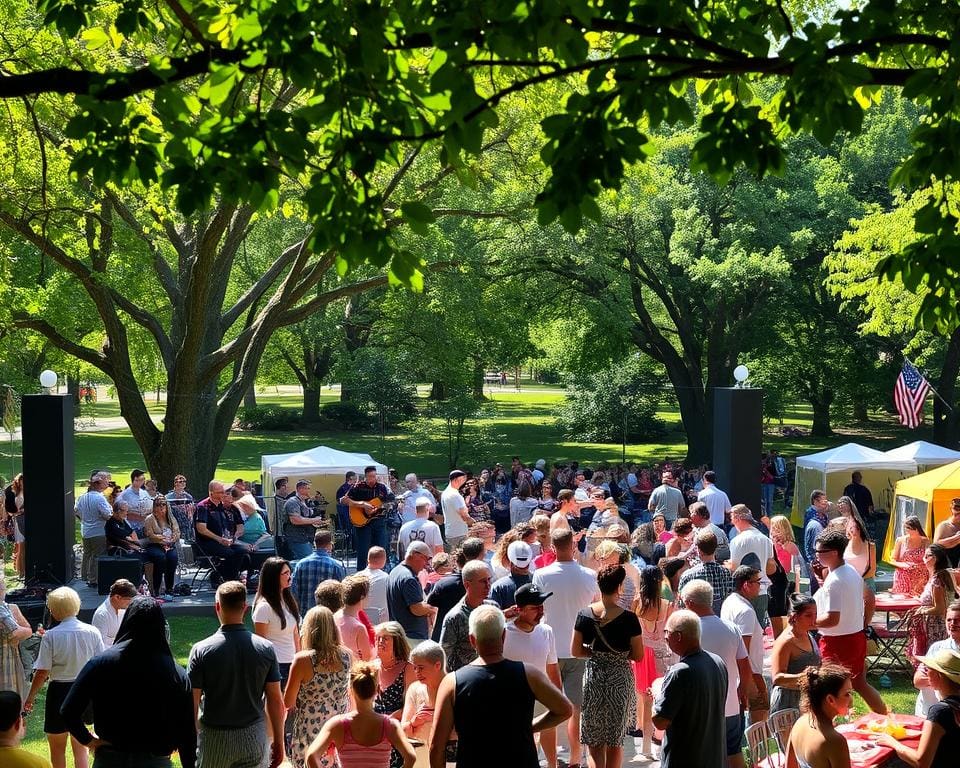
{"type": "Point", "coordinates": [788, 555]}
{"type": "Point", "coordinates": [318, 683]}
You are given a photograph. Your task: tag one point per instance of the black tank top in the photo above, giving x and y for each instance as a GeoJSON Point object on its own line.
{"type": "Point", "coordinates": [493, 716]}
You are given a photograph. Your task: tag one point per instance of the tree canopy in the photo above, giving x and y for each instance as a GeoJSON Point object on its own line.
{"type": "Point", "coordinates": [182, 92]}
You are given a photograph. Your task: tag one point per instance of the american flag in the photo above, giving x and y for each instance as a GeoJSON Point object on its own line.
{"type": "Point", "coordinates": [908, 395]}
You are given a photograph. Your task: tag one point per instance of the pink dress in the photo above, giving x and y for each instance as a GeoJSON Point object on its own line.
{"type": "Point", "coordinates": [912, 580]}
{"type": "Point", "coordinates": [657, 656]}
{"type": "Point", "coordinates": [356, 755]}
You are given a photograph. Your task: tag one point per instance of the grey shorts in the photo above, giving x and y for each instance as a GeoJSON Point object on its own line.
{"type": "Point", "coordinates": [571, 675]}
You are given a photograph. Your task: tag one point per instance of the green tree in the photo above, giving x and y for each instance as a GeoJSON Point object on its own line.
{"type": "Point", "coordinates": [366, 79]}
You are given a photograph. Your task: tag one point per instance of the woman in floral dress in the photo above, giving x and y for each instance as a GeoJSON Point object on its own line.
{"type": "Point", "coordinates": [318, 684]}
{"type": "Point", "coordinates": [927, 625]}
{"type": "Point", "coordinates": [396, 675]}
{"type": "Point", "coordinates": [13, 628]}
{"type": "Point", "coordinates": [910, 575]}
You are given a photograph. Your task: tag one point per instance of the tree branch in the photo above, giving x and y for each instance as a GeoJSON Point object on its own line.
{"type": "Point", "coordinates": [96, 359]}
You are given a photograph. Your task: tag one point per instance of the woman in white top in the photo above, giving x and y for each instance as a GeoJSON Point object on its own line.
{"type": "Point", "coordinates": [861, 555]}
{"type": "Point", "coordinates": [64, 650]}
{"type": "Point", "coordinates": [276, 615]}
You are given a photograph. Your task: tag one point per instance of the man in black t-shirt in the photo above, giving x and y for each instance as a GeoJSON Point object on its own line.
{"type": "Point", "coordinates": [219, 528]}
{"type": "Point", "coordinates": [449, 590]}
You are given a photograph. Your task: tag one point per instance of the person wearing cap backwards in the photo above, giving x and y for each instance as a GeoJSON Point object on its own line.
{"type": "Point", "coordinates": [940, 739]}
{"type": "Point", "coordinates": [455, 634]}
{"type": "Point", "coordinates": [490, 703]}
{"type": "Point", "coordinates": [520, 555]}
{"type": "Point", "coordinates": [299, 525]}
{"type": "Point", "coordinates": [456, 516]}
{"type": "Point", "coordinates": [529, 640]}
{"type": "Point", "coordinates": [421, 528]}
{"type": "Point", "coordinates": [374, 533]}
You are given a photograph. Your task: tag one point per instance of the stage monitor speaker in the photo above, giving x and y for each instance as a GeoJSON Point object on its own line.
{"type": "Point", "coordinates": [48, 488]}
{"type": "Point", "coordinates": [109, 569]}
{"type": "Point", "coordinates": [738, 443]}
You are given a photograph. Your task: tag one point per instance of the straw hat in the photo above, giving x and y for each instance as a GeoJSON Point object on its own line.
{"type": "Point", "coordinates": [946, 662]}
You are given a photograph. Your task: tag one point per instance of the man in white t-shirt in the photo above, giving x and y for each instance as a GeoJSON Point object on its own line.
{"type": "Point", "coordinates": [573, 587]}
{"type": "Point", "coordinates": [422, 529]}
{"type": "Point", "coordinates": [414, 492]}
{"type": "Point", "coordinates": [528, 640]}
{"type": "Point", "coordinates": [750, 547]}
{"type": "Point", "coordinates": [110, 612]}
{"type": "Point", "coordinates": [456, 516]}
{"type": "Point", "coordinates": [840, 614]}
{"type": "Point", "coordinates": [138, 501]}
{"type": "Point", "coordinates": [379, 580]}
{"type": "Point", "coordinates": [722, 638]}
{"type": "Point", "coordinates": [716, 500]}
{"type": "Point", "coordinates": [738, 610]}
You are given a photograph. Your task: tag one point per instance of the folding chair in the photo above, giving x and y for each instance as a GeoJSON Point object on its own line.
{"type": "Point", "coordinates": [891, 648]}
{"type": "Point", "coordinates": [205, 565]}
{"type": "Point", "coordinates": [780, 725]}
{"type": "Point", "coordinates": [759, 742]}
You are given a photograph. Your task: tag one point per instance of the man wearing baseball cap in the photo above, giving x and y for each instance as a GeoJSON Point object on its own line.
{"type": "Point", "coordinates": [520, 555]}
{"type": "Point", "coordinates": [456, 516]}
{"type": "Point", "coordinates": [299, 525]}
{"type": "Point", "coordinates": [405, 594]}
{"type": "Point", "coordinates": [529, 640]}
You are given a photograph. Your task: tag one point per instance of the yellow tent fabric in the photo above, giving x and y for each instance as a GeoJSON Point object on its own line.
{"type": "Point", "coordinates": [927, 496]}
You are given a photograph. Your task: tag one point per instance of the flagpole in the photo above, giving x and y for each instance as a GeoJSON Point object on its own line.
{"type": "Point", "coordinates": [937, 394]}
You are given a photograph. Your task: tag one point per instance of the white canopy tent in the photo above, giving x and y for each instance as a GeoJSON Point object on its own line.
{"type": "Point", "coordinates": [324, 467]}
{"type": "Point", "coordinates": [926, 455]}
{"type": "Point", "coordinates": [830, 470]}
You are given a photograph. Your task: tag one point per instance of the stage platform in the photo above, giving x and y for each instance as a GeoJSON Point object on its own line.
{"type": "Point", "coordinates": [200, 603]}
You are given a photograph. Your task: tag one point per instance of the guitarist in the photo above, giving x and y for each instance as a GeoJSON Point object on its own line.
{"type": "Point", "coordinates": [375, 532]}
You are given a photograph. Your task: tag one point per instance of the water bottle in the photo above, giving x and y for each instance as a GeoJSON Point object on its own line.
{"type": "Point", "coordinates": [885, 681]}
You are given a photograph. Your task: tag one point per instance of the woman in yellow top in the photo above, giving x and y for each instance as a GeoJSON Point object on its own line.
{"type": "Point", "coordinates": [162, 533]}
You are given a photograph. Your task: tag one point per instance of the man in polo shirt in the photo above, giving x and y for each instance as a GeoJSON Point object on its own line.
{"type": "Point", "coordinates": [456, 516]}
{"type": "Point", "coordinates": [232, 672]}
{"type": "Point", "coordinates": [927, 696]}
{"type": "Point", "coordinates": [218, 530]}
{"type": "Point", "coordinates": [840, 614]}
{"type": "Point", "coordinates": [405, 594]}
{"type": "Point", "coordinates": [299, 524]}
{"type": "Point", "coordinates": [371, 495]}
{"type": "Point", "coordinates": [109, 613]}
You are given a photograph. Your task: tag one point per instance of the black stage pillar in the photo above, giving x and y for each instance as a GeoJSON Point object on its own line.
{"type": "Point", "coordinates": [738, 443]}
{"type": "Point", "coordinates": [48, 487]}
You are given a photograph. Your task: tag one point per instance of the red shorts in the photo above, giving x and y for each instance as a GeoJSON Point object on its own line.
{"type": "Point", "coordinates": [849, 651]}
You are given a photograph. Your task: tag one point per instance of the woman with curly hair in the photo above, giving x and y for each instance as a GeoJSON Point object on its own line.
{"type": "Point", "coordinates": [928, 623]}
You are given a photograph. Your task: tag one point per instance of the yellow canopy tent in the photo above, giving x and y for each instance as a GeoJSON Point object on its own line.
{"type": "Point", "coordinates": [927, 496]}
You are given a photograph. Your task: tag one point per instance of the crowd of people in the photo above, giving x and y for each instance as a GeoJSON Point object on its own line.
{"type": "Point", "coordinates": [523, 601]}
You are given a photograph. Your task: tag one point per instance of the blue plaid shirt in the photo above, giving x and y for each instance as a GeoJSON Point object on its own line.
{"type": "Point", "coordinates": [309, 572]}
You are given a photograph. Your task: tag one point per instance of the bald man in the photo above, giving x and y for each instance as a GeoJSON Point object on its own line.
{"type": "Point", "coordinates": [219, 528]}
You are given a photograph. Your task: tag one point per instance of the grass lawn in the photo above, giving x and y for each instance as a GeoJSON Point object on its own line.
{"type": "Point", "coordinates": [520, 423]}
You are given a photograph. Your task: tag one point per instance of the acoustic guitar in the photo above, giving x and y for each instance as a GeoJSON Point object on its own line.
{"type": "Point", "coordinates": [361, 516]}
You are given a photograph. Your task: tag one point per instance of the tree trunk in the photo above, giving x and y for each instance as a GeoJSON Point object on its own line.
{"type": "Point", "coordinates": [946, 422]}
{"type": "Point", "coordinates": [438, 391]}
{"type": "Point", "coordinates": [860, 414]}
{"type": "Point", "coordinates": [250, 397]}
{"type": "Point", "coordinates": [311, 404]}
{"type": "Point", "coordinates": [821, 415]}
{"type": "Point", "coordinates": [477, 381]}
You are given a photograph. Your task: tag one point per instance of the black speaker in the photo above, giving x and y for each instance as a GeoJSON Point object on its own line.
{"type": "Point", "coordinates": [109, 569]}
{"type": "Point", "coordinates": [738, 443]}
{"type": "Point", "coordinates": [48, 488]}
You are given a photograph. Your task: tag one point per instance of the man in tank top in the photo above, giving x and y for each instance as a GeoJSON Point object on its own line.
{"type": "Point", "coordinates": [494, 695]}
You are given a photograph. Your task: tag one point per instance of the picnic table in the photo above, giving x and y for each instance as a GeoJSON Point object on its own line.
{"type": "Point", "coordinates": [865, 752]}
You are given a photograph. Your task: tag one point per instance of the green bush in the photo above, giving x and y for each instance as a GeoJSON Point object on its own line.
{"type": "Point", "coordinates": [267, 417]}
{"type": "Point", "coordinates": [599, 405]}
{"type": "Point", "coordinates": [347, 415]}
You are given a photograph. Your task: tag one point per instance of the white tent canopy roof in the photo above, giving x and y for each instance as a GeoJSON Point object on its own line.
{"type": "Point", "coordinates": [321, 458]}
{"type": "Point", "coordinates": [924, 453]}
{"type": "Point", "coordinates": [852, 456]}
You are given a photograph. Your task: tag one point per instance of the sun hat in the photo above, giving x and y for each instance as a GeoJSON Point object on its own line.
{"type": "Point", "coordinates": [945, 661]}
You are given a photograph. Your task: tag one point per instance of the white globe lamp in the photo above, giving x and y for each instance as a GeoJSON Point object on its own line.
{"type": "Point", "coordinates": [741, 373]}
{"type": "Point", "coordinates": [48, 380]}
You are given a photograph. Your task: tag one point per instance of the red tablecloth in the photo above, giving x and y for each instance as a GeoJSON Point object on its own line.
{"type": "Point", "coordinates": [891, 603]}
{"type": "Point", "coordinates": [864, 750]}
